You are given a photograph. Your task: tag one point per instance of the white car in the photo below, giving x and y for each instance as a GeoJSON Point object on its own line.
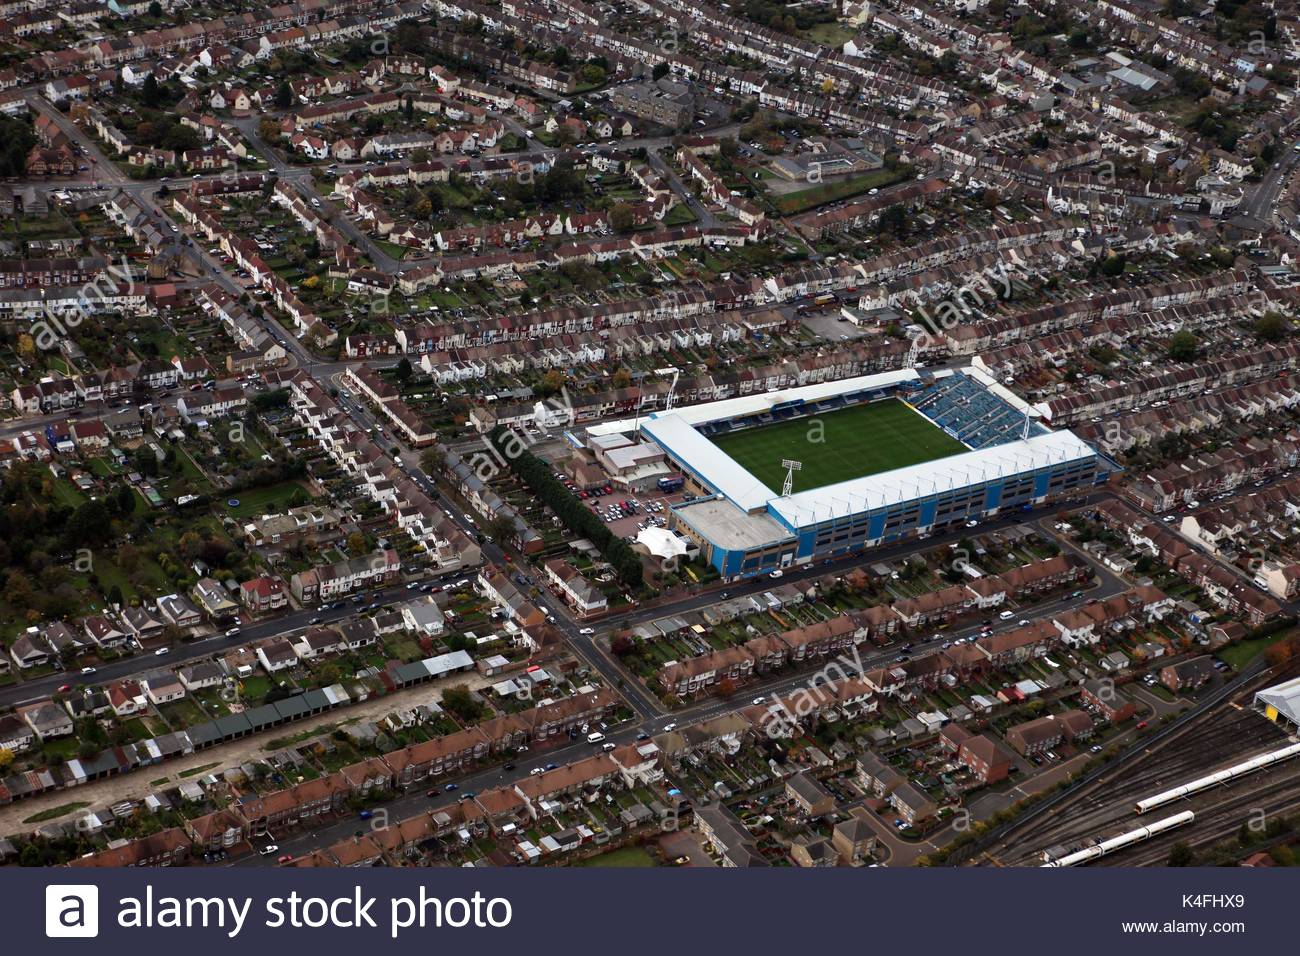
{"type": "Point", "coordinates": [269, 849]}
{"type": "Point", "coordinates": [670, 727]}
{"type": "Point", "coordinates": [88, 670]}
{"type": "Point", "coordinates": [535, 771]}
{"type": "Point", "coordinates": [759, 699]}
{"type": "Point", "coordinates": [586, 630]}
{"type": "Point", "coordinates": [777, 573]}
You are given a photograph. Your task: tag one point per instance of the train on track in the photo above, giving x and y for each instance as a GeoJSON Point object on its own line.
{"type": "Point", "coordinates": [1226, 775]}
{"type": "Point", "coordinates": [1105, 847]}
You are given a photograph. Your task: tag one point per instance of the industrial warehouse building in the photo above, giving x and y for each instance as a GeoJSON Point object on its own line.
{"type": "Point", "coordinates": [1281, 703]}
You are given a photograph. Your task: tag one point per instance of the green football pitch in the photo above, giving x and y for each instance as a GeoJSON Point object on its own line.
{"type": "Point", "coordinates": [841, 445]}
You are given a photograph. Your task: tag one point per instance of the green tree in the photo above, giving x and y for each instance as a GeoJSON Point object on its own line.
{"type": "Point", "coordinates": [1272, 327]}
{"type": "Point", "coordinates": [621, 217]}
{"type": "Point", "coordinates": [462, 703]}
{"type": "Point", "coordinates": [501, 529]}
{"type": "Point", "coordinates": [150, 93]}
{"type": "Point", "coordinates": [1183, 346]}
{"type": "Point", "coordinates": [1180, 854]}
{"type": "Point", "coordinates": [283, 95]}
{"type": "Point", "coordinates": [1112, 265]}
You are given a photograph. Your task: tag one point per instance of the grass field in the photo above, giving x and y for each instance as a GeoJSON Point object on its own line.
{"type": "Point", "coordinates": [848, 443]}
{"type": "Point", "coordinates": [628, 856]}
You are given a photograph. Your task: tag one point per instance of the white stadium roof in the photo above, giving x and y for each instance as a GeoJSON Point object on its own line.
{"type": "Point", "coordinates": [759, 402]}
{"type": "Point", "coordinates": [675, 431]}
{"type": "Point", "coordinates": [931, 477]}
{"type": "Point", "coordinates": [765, 401]}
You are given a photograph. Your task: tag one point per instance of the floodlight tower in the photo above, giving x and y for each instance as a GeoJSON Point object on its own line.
{"type": "Point", "coordinates": [790, 466]}
{"type": "Point", "coordinates": [1030, 415]}
{"type": "Point", "coordinates": [672, 392]}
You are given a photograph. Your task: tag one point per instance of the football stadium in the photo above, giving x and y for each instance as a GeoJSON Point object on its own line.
{"type": "Point", "coordinates": [787, 477]}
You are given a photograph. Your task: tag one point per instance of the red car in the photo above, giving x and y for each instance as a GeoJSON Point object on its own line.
{"type": "Point", "coordinates": [287, 858]}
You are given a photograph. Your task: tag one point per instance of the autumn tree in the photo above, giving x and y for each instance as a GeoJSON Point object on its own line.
{"type": "Point", "coordinates": [621, 217]}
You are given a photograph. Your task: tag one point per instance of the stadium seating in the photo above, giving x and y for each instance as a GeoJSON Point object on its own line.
{"type": "Point", "coordinates": [970, 413]}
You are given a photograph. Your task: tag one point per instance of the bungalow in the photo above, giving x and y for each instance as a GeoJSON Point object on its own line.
{"type": "Point", "coordinates": [162, 688]}
{"type": "Point", "coordinates": [318, 641]}
{"type": "Point", "coordinates": [30, 650]}
{"type": "Point", "coordinates": [179, 611]}
{"type": "Point", "coordinates": [215, 600]}
{"type": "Point", "coordinates": [47, 719]}
{"type": "Point", "coordinates": [423, 617]}
{"type": "Point", "coordinates": [143, 623]}
{"type": "Point", "coordinates": [277, 654]}
{"type": "Point", "coordinates": [202, 675]}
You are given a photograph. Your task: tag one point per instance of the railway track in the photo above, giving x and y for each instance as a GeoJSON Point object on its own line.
{"type": "Point", "coordinates": [1242, 736]}
{"type": "Point", "coordinates": [1218, 820]}
{"type": "Point", "coordinates": [1220, 735]}
{"type": "Point", "coordinates": [1219, 812]}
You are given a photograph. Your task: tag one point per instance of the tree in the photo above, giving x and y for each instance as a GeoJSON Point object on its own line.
{"type": "Point", "coordinates": [621, 217]}
{"type": "Point", "coordinates": [268, 129]}
{"type": "Point", "coordinates": [1183, 346]}
{"type": "Point", "coordinates": [462, 703]}
{"type": "Point", "coordinates": [622, 378]}
{"type": "Point", "coordinates": [1272, 327]}
{"type": "Point", "coordinates": [622, 645]}
{"type": "Point", "coordinates": [660, 70]}
{"type": "Point", "coordinates": [501, 529]}
{"type": "Point", "coordinates": [283, 95]}
{"type": "Point", "coordinates": [404, 370]}
{"type": "Point", "coordinates": [89, 524]}
{"type": "Point", "coordinates": [1279, 653]}
{"type": "Point", "coordinates": [432, 461]}
{"type": "Point", "coordinates": [356, 542]}
{"type": "Point", "coordinates": [6, 757]}
{"type": "Point", "coordinates": [1180, 854]}
{"type": "Point", "coordinates": [155, 10]}
{"type": "Point", "coordinates": [189, 545]}
{"type": "Point", "coordinates": [150, 94]}
{"type": "Point", "coordinates": [18, 589]}
{"type": "Point", "coordinates": [552, 382]}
